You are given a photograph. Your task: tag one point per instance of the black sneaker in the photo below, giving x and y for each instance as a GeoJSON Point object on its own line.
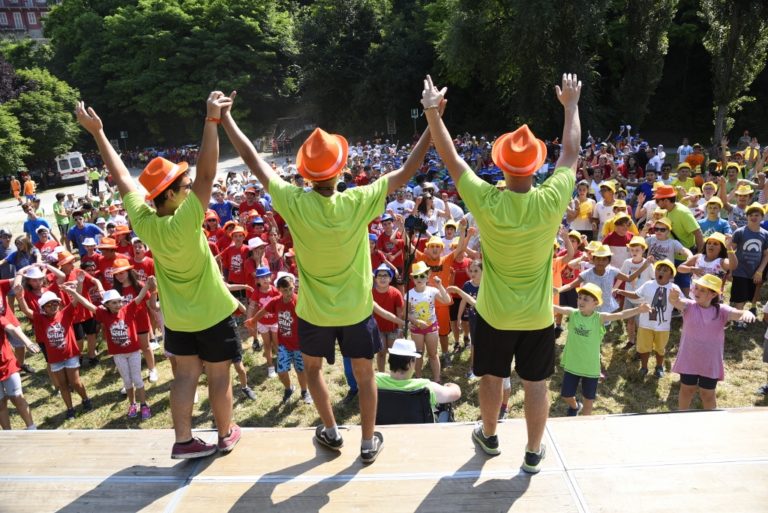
{"type": "Point", "coordinates": [70, 414]}
{"type": "Point", "coordinates": [489, 445]}
{"type": "Point", "coordinates": [445, 361]}
{"type": "Point", "coordinates": [323, 439]}
{"type": "Point", "coordinates": [502, 413]}
{"type": "Point", "coordinates": [287, 393]}
{"type": "Point", "coordinates": [350, 397]}
{"type": "Point", "coordinates": [256, 346]}
{"type": "Point", "coordinates": [763, 390]}
{"type": "Point", "coordinates": [27, 369]}
{"type": "Point", "coordinates": [753, 310]}
{"type": "Point", "coordinates": [87, 405]}
{"type": "Point", "coordinates": [368, 456]}
{"type": "Point", "coordinates": [93, 361]}
{"type": "Point", "coordinates": [532, 460]}
{"type": "Point", "coordinates": [658, 372]}
{"type": "Point", "coordinates": [572, 412]}
{"type": "Point", "coordinates": [643, 372]}
{"type": "Point", "coordinates": [558, 331]}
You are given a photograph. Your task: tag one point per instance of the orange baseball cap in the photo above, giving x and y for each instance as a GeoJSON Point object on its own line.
{"type": "Point", "coordinates": [159, 174]}
{"type": "Point", "coordinates": [519, 153]}
{"type": "Point", "coordinates": [322, 156]}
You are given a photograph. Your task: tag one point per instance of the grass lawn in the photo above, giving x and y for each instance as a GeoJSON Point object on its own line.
{"type": "Point", "coordinates": [622, 392]}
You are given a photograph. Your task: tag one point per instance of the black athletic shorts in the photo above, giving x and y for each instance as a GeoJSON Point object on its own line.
{"type": "Point", "coordinates": [453, 309]}
{"type": "Point", "coordinates": [532, 350]}
{"type": "Point", "coordinates": [218, 343]}
{"type": "Point", "coordinates": [742, 290]}
{"type": "Point", "coordinates": [700, 381]}
{"type": "Point", "coordinates": [359, 340]}
{"type": "Point", "coordinates": [87, 327]}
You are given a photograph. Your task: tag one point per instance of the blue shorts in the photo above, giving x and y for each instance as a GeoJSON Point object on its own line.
{"type": "Point", "coordinates": [682, 280]}
{"type": "Point", "coordinates": [571, 383]}
{"type": "Point", "coordinates": [286, 357]}
{"type": "Point", "coordinates": [72, 363]}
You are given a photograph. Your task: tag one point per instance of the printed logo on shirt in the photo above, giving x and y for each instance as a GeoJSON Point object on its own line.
{"type": "Point", "coordinates": [55, 334]}
{"type": "Point", "coordinates": [753, 246]}
{"type": "Point", "coordinates": [141, 274]}
{"type": "Point", "coordinates": [119, 332]}
{"type": "Point", "coordinates": [108, 275]}
{"type": "Point", "coordinates": [236, 263]}
{"type": "Point", "coordinates": [284, 323]}
{"type": "Point", "coordinates": [659, 305]}
{"type": "Point", "coordinates": [582, 331]}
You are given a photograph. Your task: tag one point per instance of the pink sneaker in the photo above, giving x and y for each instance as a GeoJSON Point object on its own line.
{"type": "Point", "coordinates": [194, 449]}
{"type": "Point", "coordinates": [145, 412]}
{"type": "Point", "coordinates": [229, 442]}
{"type": "Point", "coordinates": [133, 411]}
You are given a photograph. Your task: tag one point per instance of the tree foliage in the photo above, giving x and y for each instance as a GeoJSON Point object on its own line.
{"type": "Point", "coordinates": [737, 39]}
{"type": "Point", "coordinates": [26, 53]}
{"type": "Point", "coordinates": [13, 145]}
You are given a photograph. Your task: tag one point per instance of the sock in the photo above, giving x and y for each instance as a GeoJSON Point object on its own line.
{"type": "Point", "coordinates": [185, 443]}
{"type": "Point", "coordinates": [369, 445]}
{"type": "Point", "coordinates": [333, 432]}
{"type": "Point", "coordinates": [32, 427]}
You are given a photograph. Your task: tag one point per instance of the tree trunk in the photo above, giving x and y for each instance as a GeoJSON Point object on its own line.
{"type": "Point", "coordinates": [722, 111]}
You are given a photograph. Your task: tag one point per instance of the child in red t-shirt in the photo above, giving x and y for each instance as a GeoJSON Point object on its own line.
{"type": "Point", "coordinates": [85, 326]}
{"type": "Point", "coordinates": [53, 328]}
{"type": "Point", "coordinates": [288, 352]}
{"type": "Point", "coordinates": [391, 300]}
{"type": "Point", "coordinates": [117, 314]}
{"type": "Point", "coordinates": [262, 294]}
{"type": "Point", "coordinates": [144, 265]}
{"type": "Point", "coordinates": [10, 387]}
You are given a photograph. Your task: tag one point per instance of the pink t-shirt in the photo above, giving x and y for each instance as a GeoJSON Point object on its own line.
{"type": "Point", "coordinates": [702, 341]}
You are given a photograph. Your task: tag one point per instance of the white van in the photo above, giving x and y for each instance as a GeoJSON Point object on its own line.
{"type": "Point", "coordinates": [71, 166]}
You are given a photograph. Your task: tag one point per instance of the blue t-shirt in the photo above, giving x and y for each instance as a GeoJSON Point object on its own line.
{"type": "Point", "coordinates": [472, 290]}
{"type": "Point", "coordinates": [31, 225]}
{"type": "Point", "coordinates": [719, 226]}
{"type": "Point", "coordinates": [78, 235]}
{"type": "Point", "coordinates": [223, 210]}
{"type": "Point", "coordinates": [19, 259]}
{"type": "Point", "coordinates": [7, 270]}
{"type": "Point", "coordinates": [647, 189]}
{"type": "Point", "coordinates": [749, 250]}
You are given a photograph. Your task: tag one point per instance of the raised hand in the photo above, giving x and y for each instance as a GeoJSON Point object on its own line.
{"type": "Point", "coordinates": [88, 118]}
{"type": "Point", "coordinates": [568, 94]}
{"type": "Point", "coordinates": [437, 280]}
{"type": "Point", "coordinates": [646, 308]}
{"type": "Point", "coordinates": [431, 98]}
{"type": "Point", "coordinates": [674, 296]}
{"type": "Point", "coordinates": [216, 101]}
{"type": "Point", "coordinates": [225, 109]}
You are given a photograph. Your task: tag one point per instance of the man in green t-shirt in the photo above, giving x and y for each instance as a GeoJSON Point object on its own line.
{"type": "Point", "coordinates": [196, 304]}
{"type": "Point", "coordinates": [330, 238]}
{"type": "Point", "coordinates": [62, 219]}
{"type": "Point", "coordinates": [516, 227]}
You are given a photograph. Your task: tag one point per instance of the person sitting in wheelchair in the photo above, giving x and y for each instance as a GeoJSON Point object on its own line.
{"type": "Point", "coordinates": [403, 406]}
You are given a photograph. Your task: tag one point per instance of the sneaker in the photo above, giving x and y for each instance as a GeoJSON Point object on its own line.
{"type": "Point", "coordinates": [271, 372]}
{"type": "Point", "coordinates": [572, 412]}
{"type": "Point", "coordinates": [123, 392]}
{"type": "Point", "coordinates": [643, 372]}
{"type": "Point", "coordinates": [256, 346]}
{"type": "Point", "coordinates": [502, 413]}
{"type": "Point", "coordinates": [229, 442]}
{"type": "Point", "coordinates": [195, 448]}
{"type": "Point", "coordinates": [369, 455]}
{"type": "Point", "coordinates": [558, 331]}
{"type": "Point", "coordinates": [249, 393]}
{"type": "Point", "coordinates": [445, 361]}
{"type": "Point", "coordinates": [629, 345]}
{"type": "Point", "coordinates": [87, 405]}
{"type": "Point", "coordinates": [350, 397]}
{"type": "Point", "coordinates": [287, 393]}
{"type": "Point", "coordinates": [532, 460]}
{"type": "Point", "coordinates": [471, 375]}
{"type": "Point", "coordinates": [323, 439]}
{"type": "Point", "coordinates": [489, 445]}
{"type": "Point", "coordinates": [739, 326]}
{"type": "Point", "coordinates": [658, 372]}
{"type": "Point", "coordinates": [153, 376]}
{"type": "Point", "coordinates": [753, 310]}
{"type": "Point", "coordinates": [27, 369]}
{"type": "Point", "coordinates": [70, 414]}
{"type": "Point", "coordinates": [93, 361]}
{"type": "Point", "coordinates": [146, 413]}
{"type": "Point", "coordinates": [133, 411]}
{"type": "Point", "coordinates": [154, 345]}
{"type": "Point", "coordinates": [763, 390]}
{"type": "Point", "coordinates": [306, 397]}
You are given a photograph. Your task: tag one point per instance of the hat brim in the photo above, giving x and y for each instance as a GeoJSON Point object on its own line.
{"type": "Point", "coordinates": [404, 353]}
{"type": "Point", "coordinates": [106, 246]}
{"type": "Point", "coordinates": [582, 290]}
{"type": "Point", "coordinates": [329, 173]}
{"type": "Point", "coordinates": [181, 167]}
{"type": "Point", "coordinates": [703, 284]}
{"type": "Point", "coordinates": [116, 270]}
{"type": "Point", "coordinates": [518, 171]}
{"type": "Point", "coordinates": [67, 260]}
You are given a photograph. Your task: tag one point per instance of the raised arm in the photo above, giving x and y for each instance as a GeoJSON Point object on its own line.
{"type": "Point", "coordinates": [400, 177]}
{"type": "Point", "coordinates": [386, 314]}
{"type": "Point", "coordinates": [431, 99]}
{"type": "Point", "coordinates": [77, 297]}
{"type": "Point", "coordinates": [89, 120]}
{"type": "Point", "coordinates": [245, 148]}
{"type": "Point", "coordinates": [208, 158]}
{"type": "Point", "coordinates": [568, 95]}
{"type": "Point", "coordinates": [18, 289]}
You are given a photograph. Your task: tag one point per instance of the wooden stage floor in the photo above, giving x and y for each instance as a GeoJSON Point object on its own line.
{"type": "Point", "coordinates": [679, 462]}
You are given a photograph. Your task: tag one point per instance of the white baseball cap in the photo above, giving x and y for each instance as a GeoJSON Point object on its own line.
{"type": "Point", "coordinates": [404, 347]}
{"type": "Point", "coordinates": [47, 297]}
{"type": "Point", "coordinates": [110, 295]}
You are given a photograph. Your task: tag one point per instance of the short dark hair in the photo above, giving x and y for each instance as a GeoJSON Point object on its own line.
{"type": "Point", "coordinates": [399, 363]}
{"type": "Point", "coordinates": [284, 282]}
{"type": "Point", "coordinates": [59, 196]}
{"type": "Point", "coordinates": [159, 200]}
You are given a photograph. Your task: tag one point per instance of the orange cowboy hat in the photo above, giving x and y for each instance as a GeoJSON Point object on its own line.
{"type": "Point", "coordinates": [211, 214]}
{"type": "Point", "coordinates": [121, 229]}
{"type": "Point", "coordinates": [322, 156]}
{"type": "Point", "coordinates": [239, 229]}
{"type": "Point", "coordinates": [665, 191]}
{"type": "Point", "coordinates": [159, 174]}
{"type": "Point", "coordinates": [120, 265]}
{"type": "Point", "coordinates": [107, 243]}
{"type": "Point", "coordinates": [519, 153]}
{"type": "Point", "coordinates": [64, 257]}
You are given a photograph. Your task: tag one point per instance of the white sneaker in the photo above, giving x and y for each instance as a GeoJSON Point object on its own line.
{"type": "Point", "coordinates": [153, 376]}
{"type": "Point", "coordinates": [154, 346]}
{"type": "Point", "coordinates": [271, 372]}
{"type": "Point", "coordinates": [32, 427]}
{"type": "Point", "coordinates": [123, 392]}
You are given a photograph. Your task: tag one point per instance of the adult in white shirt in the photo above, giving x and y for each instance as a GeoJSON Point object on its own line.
{"type": "Point", "coordinates": [400, 205]}
{"type": "Point", "coordinates": [604, 208]}
{"type": "Point", "coordinates": [683, 150]}
{"type": "Point", "coordinates": [657, 160]}
{"type": "Point", "coordinates": [455, 210]}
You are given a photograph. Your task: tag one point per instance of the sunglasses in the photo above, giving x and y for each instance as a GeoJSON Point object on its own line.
{"type": "Point", "coordinates": [662, 229]}
{"type": "Point", "coordinates": [422, 276]}
{"type": "Point", "coordinates": [188, 186]}
{"type": "Point", "coordinates": [383, 275]}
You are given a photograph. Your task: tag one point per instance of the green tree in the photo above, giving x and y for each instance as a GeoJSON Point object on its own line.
{"type": "Point", "coordinates": [26, 53]}
{"type": "Point", "coordinates": [45, 114]}
{"type": "Point", "coordinates": [13, 145]}
{"type": "Point", "coordinates": [737, 39]}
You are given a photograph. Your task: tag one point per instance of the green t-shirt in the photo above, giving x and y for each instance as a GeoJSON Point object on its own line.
{"type": "Point", "coordinates": [330, 238]}
{"type": "Point", "coordinates": [517, 231]}
{"type": "Point", "coordinates": [683, 225]}
{"type": "Point", "coordinates": [94, 175]}
{"type": "Point", "coordinates": [193, 296]}
{"type": "Point", "coordinates": [386, 382]}
{"type": "Point", "coordinates": [581, 354]}
{"type": "Point", "coordinates": [60, 212]}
